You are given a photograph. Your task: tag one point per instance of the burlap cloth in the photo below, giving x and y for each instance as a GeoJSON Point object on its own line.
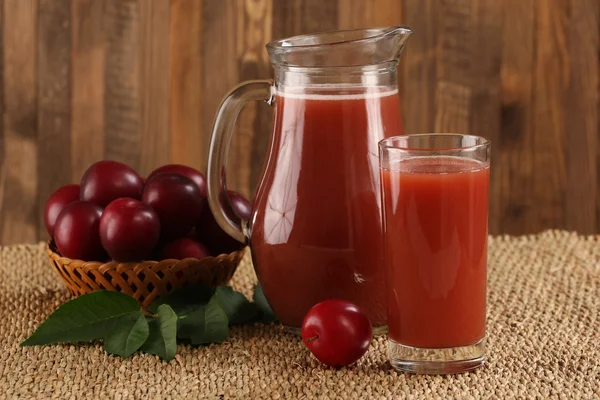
{"type": "Point", "coordinates": [543, 326]}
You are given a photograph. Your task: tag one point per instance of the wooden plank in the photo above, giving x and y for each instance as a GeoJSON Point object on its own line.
{"type": "Point", "coordinates": [19, 201]}
{"type": "Point", "coordinates": [220, 64]}
{"type": "Point", "coordinates": [550, 75]}
{"type": "Point", "coordinates": [581, 107]}
{"type": "Point", "coordinates": [254, 125]}
{"type": "Point", "coordinates": [154, 79]}
{"type": "Point", "coordinates": [87, 89]}
{"type": "Point", "coordinates": [543, 121]}
{"type": "Point", "coordinates": [187, 137]}
{"type": "Point", "coordinates": [359, 14]}
{"type": "Point", "coordinates": [3, 168]}
{"type": "Point", "coordinates": [420, 71]}
{"type": "Point", "coordinates": [354, 14]}
{"type": "Point", "coordinates": [457, 32]}
{"type": "Point", "coordinates": [513, 157]}
{"type": "Point", "coordinates": [286, 19]}
{"type": "Point", "coordinates": [300, 17]}
{"type": "Point", "coordinates": [485, 85]}
{"type": "Point", "coordinates": [453, 107]}
{"type": "Point", "coordinates": [54, 105]}
{"type": "Point", "coordinates": [122, 92]}
{"type": "Point", "coordinates": [318, 16]}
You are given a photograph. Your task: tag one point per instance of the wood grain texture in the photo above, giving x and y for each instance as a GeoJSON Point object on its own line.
{"type": "Point", "coordinates": [154, 88]}
{"type": "Point", "coordinates": [253, 127]}
{"type": "Point", "coordinates": [122, 94]}
{"type": "Point", "coordinates": [220, 40]}
{"type": "Point", "coordinates": [550, 80]}
{"type": "Point", "coordinates": [485, 86]}
{"type": "Point", "coordinates": [19, 200]}
{"type": "Point", "coordinates": [357, 14]}
{"type": "Point", "coordinates": [188, 144]}
{"type": "Point", "coordinates": [456, 19]}
{"type": "Point", "coordinates": [581, 107]}
{"type": "Point", "coordinates": [88, 61]}
{"type": "Point", "coordinates": [140, 81]}
{"type": "Point", "coordinates": [318, 15]}
{"type": "Point", "coordinates": [3, 167]}
{"type": "Point", "coordinates": [54, 108]}
{"type": "Point", "coordinates": [420, 67]}
{"type": "Point", "coordinates": [513, 152]}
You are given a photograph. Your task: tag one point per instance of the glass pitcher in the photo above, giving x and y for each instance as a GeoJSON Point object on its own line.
{"type": "Point", "coordinates": [315, 229]}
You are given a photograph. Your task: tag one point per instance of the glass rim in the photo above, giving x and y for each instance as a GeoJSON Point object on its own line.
{"type": "Point", "coordinates": [356, 36]}
{"type": "Point", "coordinates": [381, 67]}
{"type": "Point", "coordinates": [387, 143]}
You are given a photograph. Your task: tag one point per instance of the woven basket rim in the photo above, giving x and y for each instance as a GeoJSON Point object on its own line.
{"type": "Point", "coordinates": [144, 280]}
{"type": "Point", "coordinates": [55, 255]}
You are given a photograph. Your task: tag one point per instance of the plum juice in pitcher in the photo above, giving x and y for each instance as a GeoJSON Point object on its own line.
{"type": "Point", "coordinates": [315, 232]}
{"type": "Point", "coordinates": [318, 209]}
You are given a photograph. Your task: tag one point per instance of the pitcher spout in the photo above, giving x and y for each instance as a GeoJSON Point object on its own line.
{"type": "Point", "coordinates": [394, 41]}
{"type": "Point", "coordinates": [358, 47]}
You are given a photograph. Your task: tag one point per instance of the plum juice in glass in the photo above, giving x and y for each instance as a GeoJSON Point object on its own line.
{"type": "Point", "coordinates": [435, 192]}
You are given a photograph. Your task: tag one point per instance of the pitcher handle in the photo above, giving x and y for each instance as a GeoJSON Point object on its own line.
{"type": "Point", "coordinates": [220, 140]}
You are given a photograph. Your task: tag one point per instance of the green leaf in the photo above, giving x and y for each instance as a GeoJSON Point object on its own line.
{"type": "Point", "coordinates": [87, 317]}
{"type": "Point", "coordinates": [185, 300]}
{"type": "Point", "coordinates": [163, 334]}
{"type": "Point", "coordinates": [127, 335]}
{"type": "Point", "coordinates": [238, 309]}
{"type": "Point", "coordinates": [265, 314]}
{"type": "Point", "coordinates": [207, 324]}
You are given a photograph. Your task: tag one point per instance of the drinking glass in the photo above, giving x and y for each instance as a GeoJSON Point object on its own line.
{"type": "Point", "coordinates": [435, 192]}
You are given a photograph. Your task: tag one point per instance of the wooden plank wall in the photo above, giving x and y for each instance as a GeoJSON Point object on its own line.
{"type": "Point", "coordinates": [140, 81]}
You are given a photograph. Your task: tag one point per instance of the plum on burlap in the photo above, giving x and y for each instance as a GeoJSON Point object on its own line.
{"type": "Point", "coordinates": [543, 327]}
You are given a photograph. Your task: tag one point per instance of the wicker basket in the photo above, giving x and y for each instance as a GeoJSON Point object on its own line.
{"type": "Point", "coordinates": [145, 281]}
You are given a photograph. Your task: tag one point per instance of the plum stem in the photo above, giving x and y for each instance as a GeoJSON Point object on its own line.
{"type": "Point", "coordinates": [310, 339]}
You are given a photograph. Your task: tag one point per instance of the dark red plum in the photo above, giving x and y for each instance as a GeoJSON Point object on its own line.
{"type": "Point", "coordinates": [76, 232]}
{"type": "Point", "coordinates": [106, 181]}
{"type": "Point", "coordinates": [184, 247]}
{"type": "Point", "coordinates": [177, 201]}
{"type": "Point", "coordinates": [241, 207]}
{"type": "Point", "coordinates": [57, 201]}
{"type": "Point", "coordinates": [184, 170]}
{"type": "Point", "coordinates": [129, 230]}
{"type": "Point", "coordinates": [209, 231]}
{"type": "Point", "coordinates": [337, 332]}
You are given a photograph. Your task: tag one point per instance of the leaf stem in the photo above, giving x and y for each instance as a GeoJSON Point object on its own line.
{"type": "Point", "coordinates": [147, 313]}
